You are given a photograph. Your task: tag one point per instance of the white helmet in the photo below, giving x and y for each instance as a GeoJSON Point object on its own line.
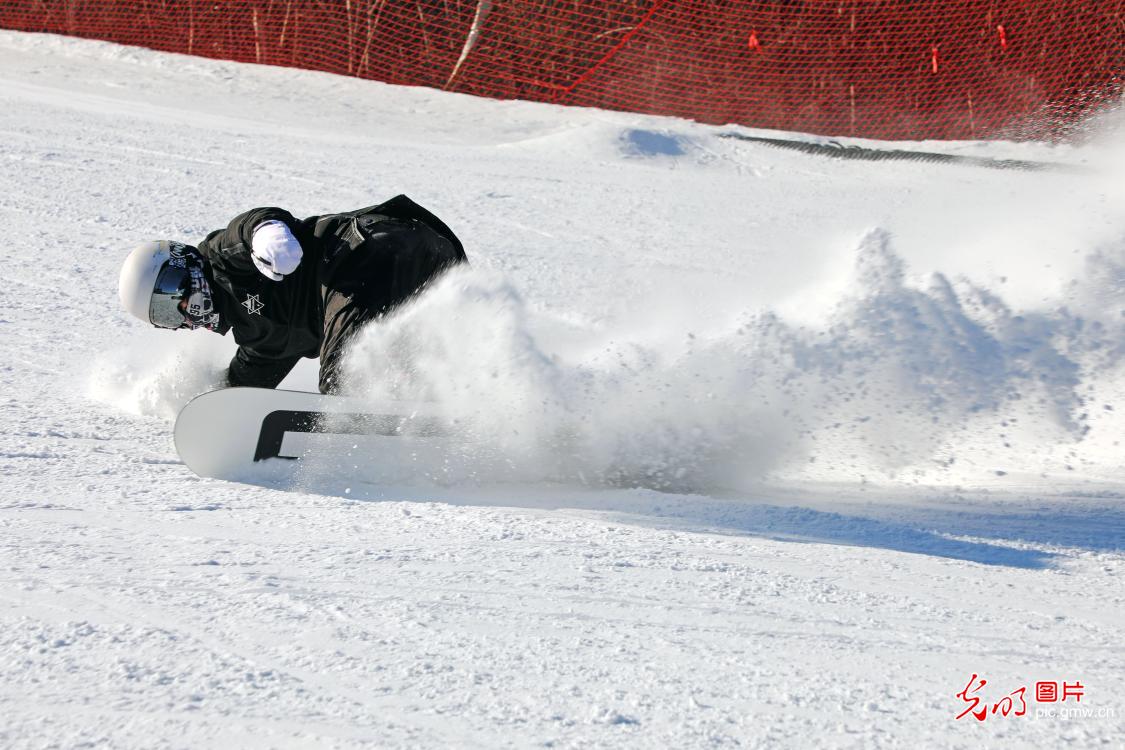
{"type": "Point", "coordinates": [153, 280]}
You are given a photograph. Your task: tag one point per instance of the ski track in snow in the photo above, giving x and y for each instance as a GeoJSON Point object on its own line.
{"type": "Point", "coordinates": [765, 450]}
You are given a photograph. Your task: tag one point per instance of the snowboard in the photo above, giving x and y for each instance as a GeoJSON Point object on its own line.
{"type": "Point", "coordinates": [251, 434]}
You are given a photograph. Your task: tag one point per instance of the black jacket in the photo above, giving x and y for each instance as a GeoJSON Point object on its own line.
{"type": "Point", "coordinates": [275, 323]}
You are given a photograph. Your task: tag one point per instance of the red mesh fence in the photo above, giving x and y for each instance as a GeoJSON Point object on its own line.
{"type": "Point", "coordinates": [890, 69]}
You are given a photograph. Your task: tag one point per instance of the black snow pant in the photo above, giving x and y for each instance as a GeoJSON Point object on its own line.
{"type": "Point", "coordinates": [381, 263]}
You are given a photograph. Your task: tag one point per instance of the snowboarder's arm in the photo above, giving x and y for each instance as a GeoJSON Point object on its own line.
{"type": "Point", "coordinates": [230, 249]}
{"type": "Point", "coordinates": [250, 369]}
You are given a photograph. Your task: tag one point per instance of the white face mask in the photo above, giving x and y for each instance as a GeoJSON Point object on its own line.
{"type": "Point", "coordinates": [200, 306]}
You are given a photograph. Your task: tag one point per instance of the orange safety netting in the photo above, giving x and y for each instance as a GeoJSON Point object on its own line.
{"type": "Point", "coordinates": [889, 69]}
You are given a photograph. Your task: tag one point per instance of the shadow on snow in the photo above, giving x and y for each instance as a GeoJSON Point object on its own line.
{"type": "Point", "coordinates": [989, 532]}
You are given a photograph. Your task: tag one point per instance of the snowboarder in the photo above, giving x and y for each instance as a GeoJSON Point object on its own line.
{"type": "Point", "coordinates": [290, 288]}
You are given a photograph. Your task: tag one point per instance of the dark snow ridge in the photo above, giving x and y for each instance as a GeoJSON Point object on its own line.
{"type": "Point", "coordinates": [837, 150]}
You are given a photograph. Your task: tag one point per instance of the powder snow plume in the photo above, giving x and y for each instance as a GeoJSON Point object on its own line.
{"type": "Point", "coordinates": [914, 379]}
{"type": "Point", "coordinates": [158, 376]}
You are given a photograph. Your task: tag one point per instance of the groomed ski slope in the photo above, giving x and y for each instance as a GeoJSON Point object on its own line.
{"type": "Point", "coordinates": [762, 449]}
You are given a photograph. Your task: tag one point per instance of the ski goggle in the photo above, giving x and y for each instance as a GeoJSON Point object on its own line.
{"type": "Point", "coordinates": [173, 283]}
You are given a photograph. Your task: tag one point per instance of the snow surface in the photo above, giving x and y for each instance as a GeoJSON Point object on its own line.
{"type": "Point", "coordinates": [760, 449]}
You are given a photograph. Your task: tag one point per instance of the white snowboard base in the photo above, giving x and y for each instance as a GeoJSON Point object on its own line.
{"type": "Point", "coordinates": [256, 434]}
